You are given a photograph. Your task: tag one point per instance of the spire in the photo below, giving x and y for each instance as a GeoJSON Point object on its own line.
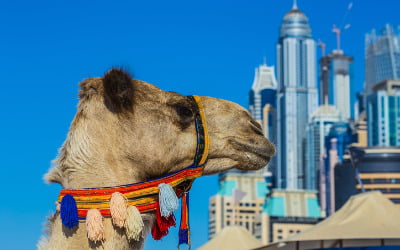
{"type": "Point", "coordinates": [294, 7]}
{"type": "Point", "coordinates": [265, 61]}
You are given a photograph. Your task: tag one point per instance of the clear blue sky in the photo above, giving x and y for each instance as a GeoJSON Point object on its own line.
{"type": "Point", "coordinates": [192, 47]}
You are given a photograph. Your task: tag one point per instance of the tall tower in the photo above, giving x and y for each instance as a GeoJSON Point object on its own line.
{"type": "Point", "coordinates": [382, 56]}
{"type": "Point", "coordinates": [383, 114]}
{"type": "Point", "coordinates": [335, 81]}
{"type": "Point", "coordinates": [262, 95]}
{"type": "Point", "coordinates": [320, 123]}
{"type": "Point", "coordinates": [297, 95]}
{"type": "Point", "coordinates": [262, 106]}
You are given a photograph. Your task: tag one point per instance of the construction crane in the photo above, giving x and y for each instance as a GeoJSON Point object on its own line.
{"type": "Point", "coordinates": [343, 26]}
{"type": "Point", "coordinates": [323, 47]}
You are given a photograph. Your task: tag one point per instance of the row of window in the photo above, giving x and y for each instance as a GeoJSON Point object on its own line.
{"type": "Point", "coordinates": [380, 181]}
{"type": "Point", "coordinates": [242, 204]}
{"type": "Point", "coordinates": [241, 216]}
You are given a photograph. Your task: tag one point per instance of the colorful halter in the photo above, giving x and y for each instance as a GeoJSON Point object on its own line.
{"type": "Point", "coordinates": [124, 203]}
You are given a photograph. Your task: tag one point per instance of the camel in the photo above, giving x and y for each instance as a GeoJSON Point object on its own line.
{"type": "Point", "coordinates": [127, 131]}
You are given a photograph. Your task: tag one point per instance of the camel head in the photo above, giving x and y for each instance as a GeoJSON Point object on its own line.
{"type": "Point", "coordinates": [126, 131]}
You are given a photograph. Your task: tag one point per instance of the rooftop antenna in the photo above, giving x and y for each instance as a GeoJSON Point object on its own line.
{"type": "Point", "coordinates": [294, 5]}
{"type": "Point", "coordinates": [265, 61]}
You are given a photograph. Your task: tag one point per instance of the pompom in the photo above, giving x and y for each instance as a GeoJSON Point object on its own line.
{"type": "Point", "coordinates": [69, 211]}
{"type": "Point", "coordinates": [168, 200]}
{"type": "Point", "coordinates": [134, 224]}
{"type": "Point", "coordinates": [94, 225]}
{"type": "Point", "coordinates": [118, 209]}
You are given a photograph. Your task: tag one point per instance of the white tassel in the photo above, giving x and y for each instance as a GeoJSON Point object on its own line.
{"type": "Point", "coordinates": [94, 225]}
{"type": "Point", "coordinates": [168, 200]}
{"type": "Point", "coordinates": [134, 224]}
{"type": "Point", "coordinates": [118, 209]}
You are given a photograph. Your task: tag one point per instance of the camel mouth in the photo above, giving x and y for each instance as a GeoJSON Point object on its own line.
{"type": "Point", "coordinates": [255, 153]}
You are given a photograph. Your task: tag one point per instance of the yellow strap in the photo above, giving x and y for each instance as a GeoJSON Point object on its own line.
{"type": "Point", "coordinates": [204, 121]}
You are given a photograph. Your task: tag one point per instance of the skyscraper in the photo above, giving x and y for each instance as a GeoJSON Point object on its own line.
{"type": "Point", "coordinates": [382, 56]}
{"type": "Point", "coordinates": [262, 97]}
{"type": "Point", "coordinates": [297, 95]}
{"type": "Point", "coordinates": [262, 105]}
{"type": "Point", "coordinates": [335, 81]}
{"type": "Point", "coordinates": [383, 114]}
{"type": "Point", "coordinates": [321, 122]}
{"type": "Point", "coordinates": [336, 143]}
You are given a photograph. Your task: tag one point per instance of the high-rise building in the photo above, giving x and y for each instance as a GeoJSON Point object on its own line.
{"type": "Point", "coordinates": [226, 209]}
{"type": "Point", "coordinates": [320, 123]}
{"type": "Point", "coordinates": [382, 56]}
{"type": "Point", "coordinates": [383, 114]}
{"type": "Point", "coordinates": [297, 96]}
{"type": "Point", "coordinates": [263, 93]}
{"type": "Point", "coordinates": [336, 143]}
{"type": "Point", "coordinates": [262, 105]}
{"type": "Point", "coordinates": [335, 82]}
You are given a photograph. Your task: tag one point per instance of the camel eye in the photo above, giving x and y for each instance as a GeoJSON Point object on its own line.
{"type": "Point", "coordinates": [184, 112]}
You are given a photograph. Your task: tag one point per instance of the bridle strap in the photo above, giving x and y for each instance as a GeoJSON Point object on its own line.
{"type": "Point", "coordinates": [144, 195]}
{"type": "Point", "coordinates": [203, 141]}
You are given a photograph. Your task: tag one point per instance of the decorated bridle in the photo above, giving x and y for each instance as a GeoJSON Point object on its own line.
{"type": "Point", "coordinates": [125, 203]}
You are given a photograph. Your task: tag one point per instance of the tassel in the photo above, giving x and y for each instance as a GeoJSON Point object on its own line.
{"type": "Point", "coordinates": [69, 211]}
{"type": "Point", "coordinates": [162, 224]}
{"type": "Point", "coordinates": [118, 209]}
{"type": "Point", "coordinates": [94, 225]}
{"type": "Point", "coordinates": [168, 200]}
{"type": "Point", "coordinates": [184, 229]}
{"type": "Point", "coordinates": [134, 224]}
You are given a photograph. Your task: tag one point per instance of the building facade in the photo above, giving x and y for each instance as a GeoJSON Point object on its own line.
{"type": "Point", "coordinates": [335, 82]}
{"type": "Point", "coordinates": [336, 143]}
{"type": "Point", "coordinates": [382, 56]}
{"type": "Point", "coordinates": [321, 122]}
{"type": "Point", "coordinates": [383, 114]}
{"type": "Point", "coordinates": [378, 169]}
{"type": "Point", "coordinates": [296, 71]}
{"type": "Point", "coordinates": [285, 213]}
{"type": "Point", "coordinates": [225, 209]}
{"type": "Point", "coordinates": [262, 105]}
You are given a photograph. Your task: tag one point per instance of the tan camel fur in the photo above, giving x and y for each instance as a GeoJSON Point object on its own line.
{"type": "Point", "coordinates": [126, 131]}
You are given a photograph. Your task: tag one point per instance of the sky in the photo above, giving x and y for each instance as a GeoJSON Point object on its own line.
{"type": "Point", "coordinates": [205, 47]}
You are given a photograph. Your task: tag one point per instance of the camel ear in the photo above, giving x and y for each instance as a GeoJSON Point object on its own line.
{"type": "Point", "coordinates": [118, 90]}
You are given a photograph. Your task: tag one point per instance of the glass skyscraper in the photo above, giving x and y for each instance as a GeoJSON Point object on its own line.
{"type": "Point", "coordinates": [321, 122]}
{"type": "Point", "coordinates": [335, 82]}
{"type": "Point", "coordinates": [262, 106]}
{"type": "Point", "coordinates": [297, 96]}
{"type": "Point", "coordinates": [262, 100]}
{"type": "Point", "coordinates": [383, 114]}
{"type": "Point", "coordinates": [382, 56]}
